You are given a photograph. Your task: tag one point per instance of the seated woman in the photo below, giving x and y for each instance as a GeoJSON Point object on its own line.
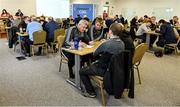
{"type": "Point", "coordinates": [143, 29]}
{"type": "Point", "coordinates": [95, 32]}
{"type": "Point", "coordinates": [5, 13]}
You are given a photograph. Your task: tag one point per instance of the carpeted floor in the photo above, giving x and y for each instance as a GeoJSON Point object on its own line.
{"type": "Point", "coordinates": [36, 81]}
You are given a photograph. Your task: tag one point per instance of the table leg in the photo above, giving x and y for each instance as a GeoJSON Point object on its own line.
{"type": "Point", "coordinates": [77, 68]}
{"type": "Point", "coordinates": [77, 77]}
{"type": "Point", "coordinates": [7, 33]}
{"type": "Point", "coordinates": [20, 44]}
{"type": "Point", "coordinates": [148, 39]}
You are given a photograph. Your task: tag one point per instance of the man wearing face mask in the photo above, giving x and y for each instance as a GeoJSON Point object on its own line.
{"type": "Point", "coordinates": [103, 54]}
{"type": "Point", "coordinates": [96, 31]}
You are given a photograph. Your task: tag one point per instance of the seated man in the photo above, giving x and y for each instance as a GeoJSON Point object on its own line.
{"type": "Point", "coordinates": [116, 19]}
{"type": "Point", "coordinates": [50, 27]}
{"type": "Point", "coordinates": [104, 52]}
{"type": "Point", "coordinates": [96, 31]}
{"type": "Point", "coordinates": [32, 27]}
{"type": "Point", "coordinates": [19, 13]}
{"type": "Point", "coordinates": [143, 29]}
{"type": "Point", "coordinates": [42, 21]}
{"type": "Point", "coordinates": [76, 32]}
{"type": "Point", "coordinates": [168, 35]}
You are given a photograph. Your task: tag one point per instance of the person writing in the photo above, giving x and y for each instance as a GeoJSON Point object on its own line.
{"type": "Point", "coordinates": [78, 34]}
{"type": "Point", "coordinates": [104, 53]}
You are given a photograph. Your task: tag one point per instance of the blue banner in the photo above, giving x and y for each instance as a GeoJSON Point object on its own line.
{"type": "Point", "coordinates": [83, 9]}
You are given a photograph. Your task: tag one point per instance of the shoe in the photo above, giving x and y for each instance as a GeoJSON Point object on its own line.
{"type": "Point", "coordinates": [72, 76]}
{"type": "Point", "coordinates": [28, 54]}
{"type": "Point", "coordinates": [55, 50]}
{"type": "Point", "coordinates": [38, 54]}
{"type": "Point", "coordinates": [90, 95]}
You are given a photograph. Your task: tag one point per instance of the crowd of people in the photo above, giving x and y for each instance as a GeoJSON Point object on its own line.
{"type": "Point", "coordinates": [169, 31]}
{"type": "Point", "coordinates": [21, 23]}
{"type": "Point", "coordinates": [81, 30]}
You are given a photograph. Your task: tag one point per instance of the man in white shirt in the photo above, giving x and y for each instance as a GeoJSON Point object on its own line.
{"type": "Point", "coordinates": [143, 29]}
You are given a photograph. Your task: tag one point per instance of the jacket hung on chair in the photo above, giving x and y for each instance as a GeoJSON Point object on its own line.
{"type": "Point", "coordinates": [120, 75]}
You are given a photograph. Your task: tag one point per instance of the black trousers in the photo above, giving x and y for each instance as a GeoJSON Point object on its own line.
{"type": "Point", "coordinates": [92, 70]}
{"type": "Point", "coordinates": [49, 41]}
{"type": "Point", "coordinates": [12, 36]}
{"type": "Point", "coordinates": [132, 32]}
{"type": "Point", "coordinates": [71, 61]}
{"type": "Point", "coordinates": [152, 39]}
{"type": "Point", "coordinates": [27, 42]}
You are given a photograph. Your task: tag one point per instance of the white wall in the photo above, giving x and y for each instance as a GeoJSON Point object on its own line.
{"type": "Point", "coordinates": [142, 7]}
{"type": "Point", "coordinates": [139, 7]}
{"type": "Point", "coordinates": [28, 7]}
{"type": "Point", "coordinates": [54, 8]}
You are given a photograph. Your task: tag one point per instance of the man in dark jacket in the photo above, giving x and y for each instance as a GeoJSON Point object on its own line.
{"type": "Point", "coordinates": [129, 73]}
{"type": "Point", "coordinates": [19, 13]}
{"type": "Point", "coordinates": [168, 35]}
{"type": "Point", "coordinates": [122, 19]}
{"type": "Point", "coordinates": [121, 70]}
{"type": "Point", "coordinates": [116, 19]}
{"type": "Point", "coordinates": [104, 52]}
{"type": "Point", "coordinates": [78, 33]}
{"type": "Point", "coordinates": [95, 32]}
{"type": "Point", "coordinates": [50, 27]}
{"type": "Point", "coordinates": [134, 27]}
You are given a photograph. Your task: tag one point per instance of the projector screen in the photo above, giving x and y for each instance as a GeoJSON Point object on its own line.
{"type": "Point", "coordinates": [54, 8]}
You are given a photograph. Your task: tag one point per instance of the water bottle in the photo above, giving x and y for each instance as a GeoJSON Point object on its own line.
{"type": "Point", "coordinates": [76, 43]}
{"type": "Point", "coordinates": [21, 30]}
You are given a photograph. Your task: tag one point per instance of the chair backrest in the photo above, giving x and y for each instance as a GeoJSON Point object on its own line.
{"type": "Point", "coordinates": [58, 32]}
{"type": "Point", "coordinates": [39, 37]}
{"type": "Point", "coordinates": [119, 75]}
{"type": "Point", "coordinates": [2, 26]}
{"type": "Point", "coordinates": [60, 40]}
{"type": "Point", "coordinates": [178, 41]}
{"type": "Point", "coordinates": [176, 33]}
{"type": "Point", "coordinates": [139, 52]}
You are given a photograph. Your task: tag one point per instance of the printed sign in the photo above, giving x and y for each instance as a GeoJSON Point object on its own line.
{"type": "Point", "coordinates": [83, 10]}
